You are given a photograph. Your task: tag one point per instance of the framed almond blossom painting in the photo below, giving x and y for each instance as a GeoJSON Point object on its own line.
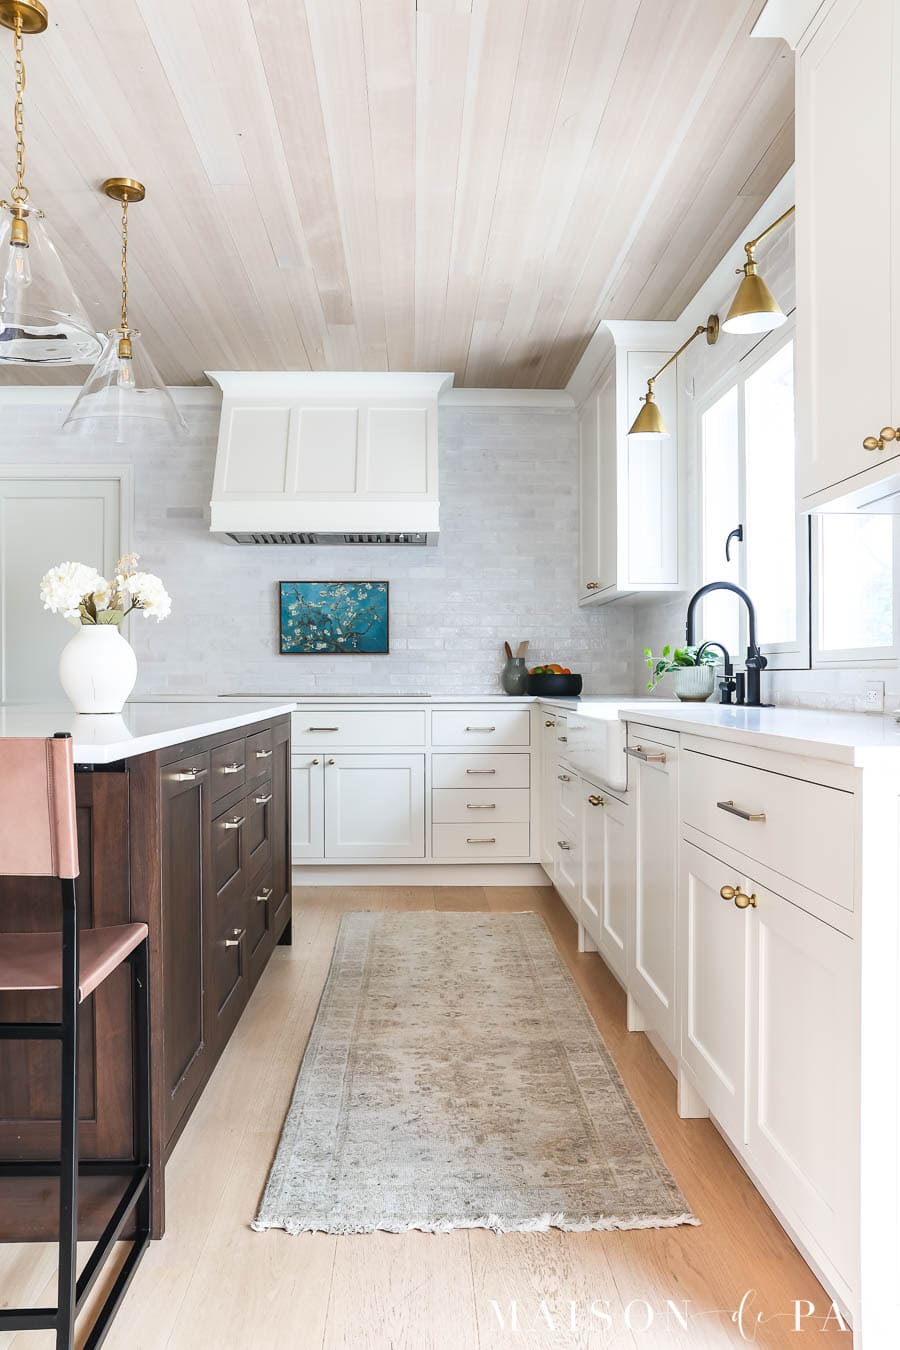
{"type": "Point", "coordinates": [334, 618]}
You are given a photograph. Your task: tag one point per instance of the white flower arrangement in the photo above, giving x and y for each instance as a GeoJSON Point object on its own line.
{"type": "Point", "coordinates": [81, 594]}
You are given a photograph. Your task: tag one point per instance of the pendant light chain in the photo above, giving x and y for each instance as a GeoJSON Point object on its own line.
{"type": "Point", "coordinates": [124, 322]}
{"type": "Point", "coordinates": [20, 191]}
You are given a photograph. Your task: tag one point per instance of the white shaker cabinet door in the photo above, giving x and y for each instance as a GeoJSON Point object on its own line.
{"type": "Point", "coordinates": [608, 893]}
{"type": "Point", "coordinates": [714, 965]}
{"type": "Point", "coordinates": [651, 980]}
{"type": "Point", "coordinates": [307, 808]}
{"type": "Point", "coordinates": [374, 806]}
{"type": "Point", "coordinates": [803, 1077]}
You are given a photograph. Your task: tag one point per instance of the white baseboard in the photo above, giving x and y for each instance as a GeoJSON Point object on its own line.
{"type": "Point", "coordinates": [421, 874]}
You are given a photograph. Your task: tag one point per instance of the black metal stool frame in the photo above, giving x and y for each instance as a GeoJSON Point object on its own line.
{"type": "Point", "coordinates": [73, 1291]}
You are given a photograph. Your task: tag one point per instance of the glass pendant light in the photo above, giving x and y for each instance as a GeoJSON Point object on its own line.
{"type": "Point", "coordinates": [124, 398]}
{"type": "Point", "coordinates": [42, 321]}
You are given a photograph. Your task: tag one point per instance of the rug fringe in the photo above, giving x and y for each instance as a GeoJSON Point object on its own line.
{"type": "Point", "coordinates": [540, 1224]}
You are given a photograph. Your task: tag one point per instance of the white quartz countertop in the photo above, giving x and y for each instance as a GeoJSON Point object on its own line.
{"type": "Point", "coordinates": [139, 728]}
{"type": "Point", "coordinates": [858, 739]}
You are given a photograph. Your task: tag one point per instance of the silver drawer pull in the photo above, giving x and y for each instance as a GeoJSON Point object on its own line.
{"type": "Point", "coordinates": [561, 843]}
{"type": "Point", "coordinates": [264, 754]}
{"type": "Point", "coordinates": [481, 841]}
{"type": "Point", "coordinates": [189, 776]}
{"type": "Point", "coordinates": [481, 806]}
{"type": "Point", "coordinates": [596, 801]}
{"type": "Point", "coordinates": [740, 812]}
{"type": "Point", "coordinates": [564, 777]}
{"type": "Point", "coordinates": [323, 728]}
{"type": "Point", "coordinates": [233, 768]}
{"type": "Point", "coordinates": [481, 770]}
{"type": "Point", "coordinates": [234, 824]}
{"type": "Point", "coordinates": [648, 756]}
{"type": "Point", "coordinates": [236, 940]}
{"type": "Point", "coordinates": [264, 895]}
{"type": "Point", "coordinates": [263, 801]}
{"type": "Point", "coordinates": [564, 739]}
{"type": "Point", "coordinates": [481, 728]}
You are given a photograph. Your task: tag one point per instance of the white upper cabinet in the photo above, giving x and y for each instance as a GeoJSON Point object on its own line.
{"type": "Point", "coordinates": [629, 498]}
{"type": "Point", "coordinates": [848, 255]}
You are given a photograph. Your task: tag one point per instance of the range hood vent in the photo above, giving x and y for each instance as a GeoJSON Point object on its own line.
{"type": "Point", "coordinates": [304, 537]}
{"type": "Point", "coordinates": [308, 457]}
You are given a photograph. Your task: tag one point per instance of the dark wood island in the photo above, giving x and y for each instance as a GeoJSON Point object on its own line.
{"type": "Point", "coordinates": [184, 823]}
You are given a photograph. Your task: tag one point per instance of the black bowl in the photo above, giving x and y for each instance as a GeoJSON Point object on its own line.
{"type": "Point", "coordinates": [562, 686]}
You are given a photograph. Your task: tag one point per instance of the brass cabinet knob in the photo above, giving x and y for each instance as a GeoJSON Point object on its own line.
{"type": "Point", "coordinates": [549, 724]}
{"type": "Point", "coordinates": [885, 437]}
{"type": "Point", "coordinates": [740, 898]}
{"type": "Point", "coordinates": [592, 586]}
{"type": "Point", "coordinates": [314, 761]}
{"type": "Point", "coordinates": [329, 761]}
{"type": "Point", "coordinates": [597, 801]}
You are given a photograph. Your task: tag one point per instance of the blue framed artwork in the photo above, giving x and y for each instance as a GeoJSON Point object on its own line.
{"type": "Point", "coordinates": [333, 618]}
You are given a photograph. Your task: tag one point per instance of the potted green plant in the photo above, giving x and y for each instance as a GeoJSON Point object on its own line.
{"type": "Point", "coordinates": [695, 676]}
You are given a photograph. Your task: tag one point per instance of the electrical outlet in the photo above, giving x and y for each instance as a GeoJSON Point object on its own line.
{"type": "Point", "coordinates": [875, 696]}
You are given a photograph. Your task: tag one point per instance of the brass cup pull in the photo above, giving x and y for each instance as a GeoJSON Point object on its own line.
{"type": "Point", "coordinates": [885, 437]}
{"type": "Point", "coordinates": [596, 801]}
{"type": "Point", "coordinates": [233, 824]}
{"type": "Point", "coordinates": [232, 768]}
{"type": "Point", "coordinates": [740, 898]}
{"type": "Point", "coordinates": [236, 940]}
{"type": "Point", "coordinates": [264, 754]}
{"type": "Point", "coordinates": [264, 800]}
{"type": "Point", "coordinates": [592, 586]}
{"type": "Point", "coordinates": [264, 895]}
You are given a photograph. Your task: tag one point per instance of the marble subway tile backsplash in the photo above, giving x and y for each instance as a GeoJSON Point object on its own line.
{"type": "Point", "coordinates": [505, 566]}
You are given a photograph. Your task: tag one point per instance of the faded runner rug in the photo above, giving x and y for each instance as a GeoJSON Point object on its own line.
{"type": "Point", "coordinates": [454, 1078]}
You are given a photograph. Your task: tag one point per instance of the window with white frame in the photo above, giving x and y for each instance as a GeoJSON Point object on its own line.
{"type": "Point", "coordinates": [748, 501]}
{"type": "Point", "coordinates": [749, 508]}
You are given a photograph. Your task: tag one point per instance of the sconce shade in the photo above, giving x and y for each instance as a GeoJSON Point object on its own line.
{"type": "Point", "coordinates": [124, 400]}
{"type": "Point", "coordinates": [649, 421]}
{"type": "Point", "coordinates": [754, 308]}
{"type": "Point", "coordinates": [42, 321]}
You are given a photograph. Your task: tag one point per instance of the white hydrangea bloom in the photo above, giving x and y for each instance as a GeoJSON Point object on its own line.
{"type": "Point", "coordinates": [149, 595]}
{"type": "Point", "coordinates": [65, 586]}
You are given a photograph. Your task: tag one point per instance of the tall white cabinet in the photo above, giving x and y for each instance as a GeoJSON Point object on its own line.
{"type": "Point", "coordinates": [848, 250]}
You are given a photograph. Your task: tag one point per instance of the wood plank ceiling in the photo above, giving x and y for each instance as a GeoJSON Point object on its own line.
{"type": "Point", "coordinates": [465, 185]}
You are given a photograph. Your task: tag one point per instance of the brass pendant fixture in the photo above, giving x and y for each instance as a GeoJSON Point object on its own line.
{"type": "Point", "coordinates": [649, 424]}
{"type": "Point", "coordinates": [123, 398]}
{"type": "Point", "coordinates": [42, 321]}
{"type": "Point", "coordinates": [754, 308]}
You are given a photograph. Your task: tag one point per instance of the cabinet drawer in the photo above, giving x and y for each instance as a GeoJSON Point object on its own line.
{"type": "Point", "coordinates": [801, 830]}
{"type": "Point", "coordinates": [228, 768]}
{"type": "Point", "coordinates": [478, 842]}
{"type": "Point", "coordinates": [325, 727]}
{"type": "Point", "coordinates": [258, 756]}
{"type": "Point", "coordinates": [480, 806]}
{"type": "Point", "coordinates": [484, 727]}
{"type": "Point", "coordinates": [493, 771]}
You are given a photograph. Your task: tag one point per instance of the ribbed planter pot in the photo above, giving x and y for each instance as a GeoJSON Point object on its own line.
{"type": "Point", "coordinates": [97, 669]}
{"type": "Point", "coordinates": [694, 684]}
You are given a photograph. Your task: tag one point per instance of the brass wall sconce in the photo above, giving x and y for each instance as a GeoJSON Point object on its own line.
{"type": "Point", "coordinates": [754, 308]}
{"type": "Point", "coordinates": [649, 421]}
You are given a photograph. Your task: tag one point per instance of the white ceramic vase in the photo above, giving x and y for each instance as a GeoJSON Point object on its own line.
{"type": "Point", "coordinates": [97, 669]}
{"type": "Point", "coordinates": [694, 684]}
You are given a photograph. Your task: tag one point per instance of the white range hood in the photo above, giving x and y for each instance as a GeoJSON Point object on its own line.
{"type": "Point", "coordinates": [307, 457]}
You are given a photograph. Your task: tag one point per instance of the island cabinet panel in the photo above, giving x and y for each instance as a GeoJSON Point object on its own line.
{"type": "Point", "coordinates": [184, 790]}
{"type": "Point", "coordinates": [193, 840]}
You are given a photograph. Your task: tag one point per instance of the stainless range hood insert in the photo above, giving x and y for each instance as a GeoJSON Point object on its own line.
{"type": "Point", "coordinates": [318, 457]}
{"type": "Point", "coordinates": [305, 537]}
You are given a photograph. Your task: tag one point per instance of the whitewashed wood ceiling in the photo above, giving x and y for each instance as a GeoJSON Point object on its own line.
{"type": "Point", "coordinates": [465, 185]}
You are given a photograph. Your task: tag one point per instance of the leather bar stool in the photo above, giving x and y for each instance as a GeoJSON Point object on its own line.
{"type": "Point", "coordinates": [38, 838]}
